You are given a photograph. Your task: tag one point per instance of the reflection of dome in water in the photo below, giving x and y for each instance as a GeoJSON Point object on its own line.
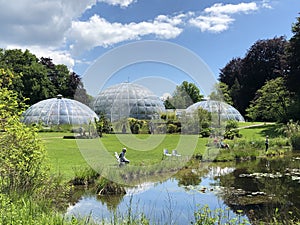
{"type": "Point", "coordinates": [57, 111]}
{"type": "Point", "coordinates": [128, 100]}
{"type": "Point", "coordinates": [227, 112]}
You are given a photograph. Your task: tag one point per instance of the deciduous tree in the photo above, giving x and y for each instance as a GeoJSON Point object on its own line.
{"type": "Point", "coordinates": [185, 95]}
{"type": "Point", "coordinates": [271, 102]}
{"type": "Point", "coordinates": [263, 62]}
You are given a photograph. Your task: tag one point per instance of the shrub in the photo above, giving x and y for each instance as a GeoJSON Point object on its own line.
{"type": "Point", "coordinates": [295, 141]}
{"type": "Point", "coordinates": [231, 134]}
{"type": "Point", "coordinates": [108, 187]}
{"type": "Point", "coordinates": [84, 175]}
{"type": "Point", "coordinates": [22, 156]}
{"type": "Point", "coordinates": [205, 132]}
{"type": "Point", "coordinates": [231, 124]}
{"type": "Point", "coordinates": [171, 128]}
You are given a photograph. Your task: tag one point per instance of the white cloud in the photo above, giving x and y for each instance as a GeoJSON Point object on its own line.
{"type": "Point", "coordinates": [38, 22]}
{"type": "Point", "coordinates": [40, 26]}
{"type": "Point", "coordinates": [218, 17]}
{"type": "Point", "coordinates": [45, 26]}
{"type": "Point", "coordinates": [220, 8]}
{"type": "Point", "coordinates": [266, 4]}
{"type": "Point", "coordinates": [122, 3]}
{"type": "Point", "coordinates": [99, 32]}
{"type": "Point", "coordinates": [176, 20]}
{"type": "Point", "coordinates": [212, 23]}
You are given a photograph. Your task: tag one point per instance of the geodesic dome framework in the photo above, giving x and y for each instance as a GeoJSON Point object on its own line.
{"type": "Point", "coordinates": [58, 111]}
{"type": "Point", "coordinates": [128, 100]}
{"type": "Point", "coordinates": [226, 111]}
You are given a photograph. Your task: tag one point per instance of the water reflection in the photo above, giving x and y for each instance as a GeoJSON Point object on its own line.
{"type": "Point", "coordinates": [255, 187]}
{"type": "Point", "coordinates": [262, 186]}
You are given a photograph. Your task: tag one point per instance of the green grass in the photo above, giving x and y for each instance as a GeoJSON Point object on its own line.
{"type": "Point", "coordinates": [64, 155]}
{"type": "Point", "coordinates": [259, 132]}
{"type": "Point", "coordinates": [68, 156]}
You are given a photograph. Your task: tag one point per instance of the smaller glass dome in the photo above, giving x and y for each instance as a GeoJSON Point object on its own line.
{"type": "Point", "coordinates": [57, 111]}
{"type": "Point", "coordinates": [227, 112]}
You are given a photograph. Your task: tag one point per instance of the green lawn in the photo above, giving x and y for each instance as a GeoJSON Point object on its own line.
{"type": "Point", "coordinates": [68, 155]}
{"type": "Point", "coordinates": [63, 154]}
{"type": "Point", "coordinates": [259, 130]}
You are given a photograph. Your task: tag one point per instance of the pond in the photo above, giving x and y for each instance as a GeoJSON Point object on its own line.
{"type": "Point", "coordinates": [250, 190]}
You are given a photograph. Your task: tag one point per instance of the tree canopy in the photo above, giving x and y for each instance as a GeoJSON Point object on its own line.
{"type": "Point", "coordinates": [221, 93]}
{"type": "Point", "coordinates": [40, 78]}
{"type": "Point", "coordinates": [244, 76]}
{"type": "Point", "coordinates": [185, 95]}
{"type": "Point", "coordinates": [271, 102]}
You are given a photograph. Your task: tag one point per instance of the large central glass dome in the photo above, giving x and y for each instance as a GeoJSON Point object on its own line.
{"type": "Point", "coordinates": [128, 100]}
{"type": "Point", "coordinates": [57, 111]}
{"type": "Point", "coordinates": [226, 111]}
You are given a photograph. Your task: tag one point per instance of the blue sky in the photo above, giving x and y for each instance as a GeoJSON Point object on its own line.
{"type": "Point", "coordinates": [77, 33]}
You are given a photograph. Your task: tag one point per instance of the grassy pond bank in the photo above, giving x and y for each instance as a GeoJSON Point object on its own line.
{"type": "Point", "coordinates": [180, 190]}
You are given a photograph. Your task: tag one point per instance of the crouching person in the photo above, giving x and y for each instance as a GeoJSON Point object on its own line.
{"type": "Point", "coordinates": [224, 145]}
{"type": "Point", "coordinates": [122, 157]}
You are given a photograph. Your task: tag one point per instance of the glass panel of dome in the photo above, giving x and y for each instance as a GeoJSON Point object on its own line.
{"type": "Point", "coordinates": [58, 111]}
{"type": "Point", "coordinates": [133, 95]}
{"type": "Point", "coordinates": [215, 107]}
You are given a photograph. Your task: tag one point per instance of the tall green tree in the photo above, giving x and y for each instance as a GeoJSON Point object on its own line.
{"type": "Point", "coordinates": [293, 77]}
{"type": "Point", "coordinates": [41, 78]}
{"type": "Point", "coordinates": [221, 93]}
{"type": "Point", "coordinates": [271, 102]}
{"type": "Point", "coordinates": [34, 83]}
{"type": "Point", "coordinates": [231, 76]}
{"type": "Point", "coordinates": [66, 83]}
{"type": "Point", "coordinates": [262, 62]}
{"type": "Point", "coordinates": [185, 95]}
{"type": "Point", "coordinates": [22, 156]}
{"type": "Point", "coordinates": [293, 56]}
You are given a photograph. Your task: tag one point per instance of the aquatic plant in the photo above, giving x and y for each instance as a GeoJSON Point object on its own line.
{"type": "Point", "coordinates": [84, 175]}
{"type": "Point", "coordinates": [207, 216]}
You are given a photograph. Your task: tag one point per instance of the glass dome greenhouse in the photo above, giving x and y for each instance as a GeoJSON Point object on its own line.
{"type": "Point", "coordinates": [128, 100]}
{"type": "Point", "coordinates": [57, 111]}
{"type": "Point", "coordinates": [227, 112]}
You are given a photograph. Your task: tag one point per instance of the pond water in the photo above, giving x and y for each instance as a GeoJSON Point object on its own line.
{"type": "Point", "coordinates": [254, 189]}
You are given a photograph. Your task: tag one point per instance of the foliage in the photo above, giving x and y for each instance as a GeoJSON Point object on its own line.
{"type": "Point", "coordinates": [23, 165]}
{"type": "Point", "coordinates": [221, 93]}
{"type": "Point", "coordinates": [103, 125]}
{"type": "Point", "coordinates": [171, 128]}
{"type": "Point", "coordinates": [169, 115]}
{"type": "Point", "coordinates": [291, 128]}
{"type": "Point", "coordinates": [231, 130]}
{"type": "Point", "coordinates": [293, 80]}
{"type": "Point", "coordinates": [271, 102]}
{"type": "Point", "coordinates": [84, 175]}
{"type": "Point", "coordinates": [293, 57]}
{"type": "Point", "coordinates": [198, 121]}
{"type": "Point", "coordinates": [231, 134]}
{"type": "Point", "coordinates": [185, 95]}
{"type": "Point", "coordinates": [244, 76]}
{"type": "Point", "coordinates": [108, 187]}
{"type": "Point", "coordinates": [10, 105]}
{"type": "Point", "coordinates": [134, 125]}
{"type": "Point", "coordinates": [295, 141]}
{"type": "Point", "coordinates": [205, 132]}
{"type": "Point", "coordinates": [22, 158]}
{"type": "Point", "coordinates": [39, 79]}
{"type": "Point", "coordinates": [21, 154]}
{"type": "Point", "coordinates": [231, 124]}
{"type": "Point", "coordinates": [207, 216]}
